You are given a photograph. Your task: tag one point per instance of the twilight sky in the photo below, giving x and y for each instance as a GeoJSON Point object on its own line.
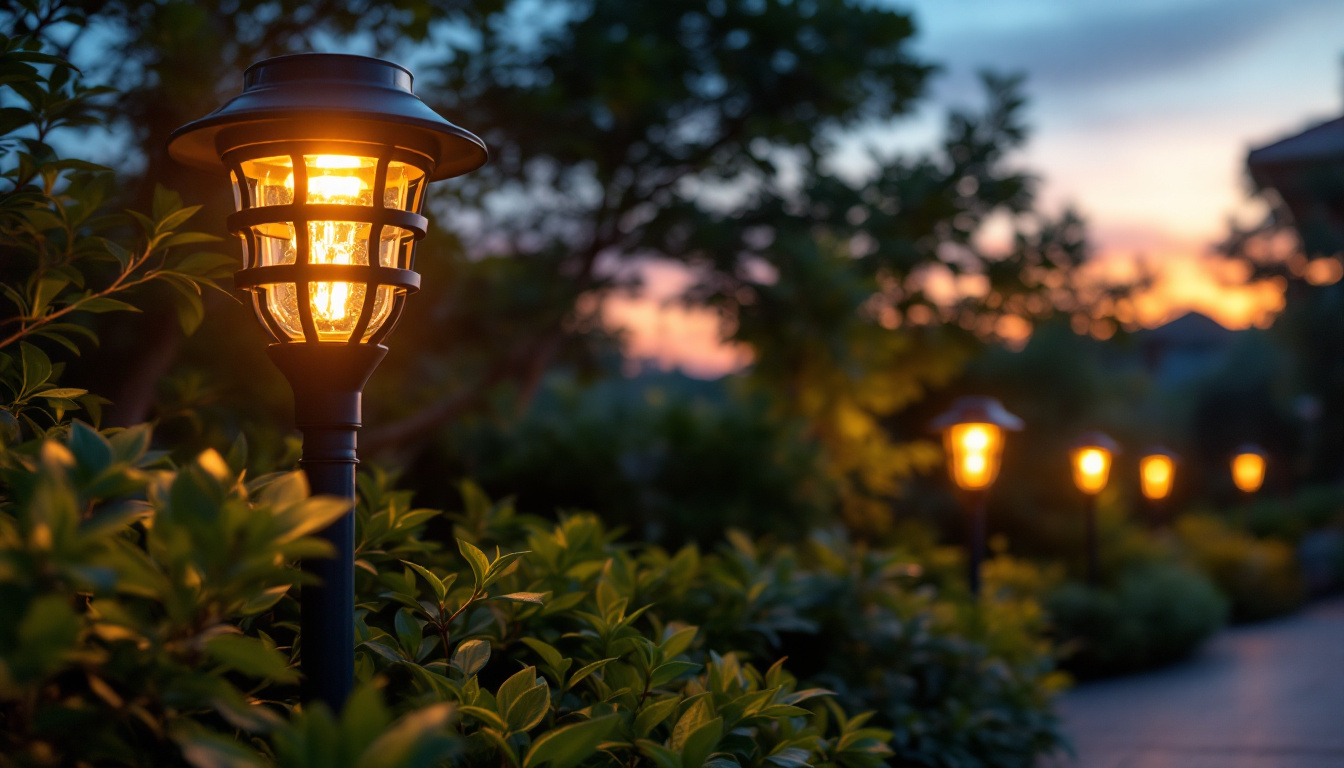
{"type": "Point", "coordinates": [1142, 114]}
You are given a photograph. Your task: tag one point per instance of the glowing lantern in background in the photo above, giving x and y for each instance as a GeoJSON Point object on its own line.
{"type": "Point", "coordinates": [1248, 468]}
{"type": "Point", "coordinates": [1091, 459]}
{"type": "Point", "coordinates": [973, 440]}
{"type": "Point", "coordinates": [1157, 471]}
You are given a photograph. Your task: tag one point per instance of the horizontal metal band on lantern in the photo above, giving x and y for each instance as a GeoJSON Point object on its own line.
{"type": "Point", "coordinates": [255, 277]}
{"type": "Point", "coordinates": [295, 213]}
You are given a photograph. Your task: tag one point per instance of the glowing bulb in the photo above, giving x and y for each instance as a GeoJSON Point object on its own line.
{"type": "Point", "coordinates": [973, 454]}
{"type": "Point", "coordinates": [1090, 469]}
{"type": "Point", "coordinates": [976, 438]}
{"type": "Point", "coordinates": [332, 242]}
{"type": "Point", "coordinates": [1248, 471]}
{"type": "Point", "coordinates": [1155, 476]}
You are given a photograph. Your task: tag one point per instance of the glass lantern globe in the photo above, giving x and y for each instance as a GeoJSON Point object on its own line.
{"type": "Point", "coordinates": [329, 156]}
{"type": "Point", "coordinates": [973, 432]}
{"type": "Point", "coordinates": [1091, 458]}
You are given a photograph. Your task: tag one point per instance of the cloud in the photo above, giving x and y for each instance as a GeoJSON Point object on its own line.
{"type": "Point", "coordinates": [1070, 44]}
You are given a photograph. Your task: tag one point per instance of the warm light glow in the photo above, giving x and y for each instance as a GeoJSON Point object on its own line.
{"type": "Point", "coordinates": [1248, 471]}
{"type": "Point", "coordinates": [1091, 468]}
{"type": "Point", "coordinates": [1155, 475]}
{"type": "Point", "coordinates": [333, 179]}
{"type": "Point", "coordinates": [973, 452]}
{"type": "Point", "coordinates": [333, 242]}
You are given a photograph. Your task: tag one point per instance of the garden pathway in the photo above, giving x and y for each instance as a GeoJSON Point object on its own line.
{"type": "Point", "coordinates": [1269, 695]}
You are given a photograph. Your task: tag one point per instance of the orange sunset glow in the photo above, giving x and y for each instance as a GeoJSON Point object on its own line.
{"type": "Point", "coordinates": [1150, 149]}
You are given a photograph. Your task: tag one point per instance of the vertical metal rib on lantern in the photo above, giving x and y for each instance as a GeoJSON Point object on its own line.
{"type": "Point", "coordinates": [329, 156]}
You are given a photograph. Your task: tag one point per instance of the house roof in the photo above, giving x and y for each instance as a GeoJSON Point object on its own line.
{"type": "Point", "coordinates": [1320, 142]}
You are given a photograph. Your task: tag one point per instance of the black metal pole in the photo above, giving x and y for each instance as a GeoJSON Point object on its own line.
{"type": "Point", "coordinates": [975, 503]}
{"type": "Point", "coordinates": [1093, 574]}
{"type": "Point", "coordinates": [328, 381]}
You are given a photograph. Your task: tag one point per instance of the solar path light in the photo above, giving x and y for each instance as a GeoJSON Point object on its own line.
{"type": "Point", "coordinates": [973, 440]}
{"type": "Point", "coordinates": [1091, 459]}
{"type": "Point", "coordinates": [329, 156]}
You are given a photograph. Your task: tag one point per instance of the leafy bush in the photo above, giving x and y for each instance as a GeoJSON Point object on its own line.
{"type": "Point", "coordinates": [1289, 519]}
{"type": "Point", "coordinates": [957, 684]}
{"type": "Point", "coordinates": [1259, 576]}
{"type": "Point", "coordinates": [1155, 613]}
{"type": "Point", "coordinates": [666, 457]}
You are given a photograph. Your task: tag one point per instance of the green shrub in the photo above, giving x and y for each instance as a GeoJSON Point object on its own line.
{"type": "Point", "coordinates": [1154, 613]}
{"type": "Point", "coordinates": [1259, 576]}
{"type": "Point", "coordinates": [1289, 519]}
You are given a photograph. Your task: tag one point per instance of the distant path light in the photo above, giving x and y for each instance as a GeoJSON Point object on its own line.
{"type": "Point", "coordinates": [1091, 459]}
{"type": "Point", "coordinates": [1248, 468]}
{"type": "Point", "coordinates": [973, 440]}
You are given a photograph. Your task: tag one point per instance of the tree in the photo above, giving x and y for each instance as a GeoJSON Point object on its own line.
{"type": "Point", "coordinates": [702, 131]}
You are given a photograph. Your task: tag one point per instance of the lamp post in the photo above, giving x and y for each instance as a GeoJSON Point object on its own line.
{"type": "Point", "coordinates": [329, 156]}
{"type": "Point", "coordinates": [1157, 471]}
{"type": "Point", "coordinates": [1091, 458]}
{"type": "Point", "coordinates": [973, 440]}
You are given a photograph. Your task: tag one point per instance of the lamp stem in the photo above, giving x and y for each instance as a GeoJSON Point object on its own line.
{"type": "Point", "coordinates": [975, 502]}
{"type": "Point", "coordinates": [328, 382]}
{"type": "Point", "coordinates": [1093, 572]}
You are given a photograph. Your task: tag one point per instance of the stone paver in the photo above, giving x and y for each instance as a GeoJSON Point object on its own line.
{"type": "Point", "coordinates": [1264, 696]}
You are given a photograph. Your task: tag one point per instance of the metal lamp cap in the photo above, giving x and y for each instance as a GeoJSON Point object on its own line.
{"type": "Point", "coordinates": [298, 95]}
{"type": "Point", "coordinates": [977, 410]}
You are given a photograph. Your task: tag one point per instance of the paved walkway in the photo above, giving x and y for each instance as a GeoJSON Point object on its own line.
{"type": "Point", "coordinates": [1265, 696]}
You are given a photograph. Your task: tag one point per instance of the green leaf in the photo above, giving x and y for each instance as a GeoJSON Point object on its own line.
{"type": "Point", "coordinates": [678, 642]}
{"type": "Point", "coordinates": [435, 583]}
{"type": "Point", "coordinates": [206, 749]}
{"type": "Point", "coordinates": [409, 632]}
{"type": "Point", "coordinates": [419, 739]}
{"type": "Point", "coordinates": [61, 392]}
{"type": "Point", "coordinates": [510, 690]}
{"type": "Point", "coordinates": [654, 713]}
{"type": "Point", "coordinates": [36, 366]}
{"type": "Point", "coordinates": [568, 746]}
{"type": "Point", "coordinates": [471, 656]}
{"type": "Point", "coordinates": [529, 709]}
{"type": "Point", "coordinates": [106, 304]}
{"type": "Point", "coordinates": [486, 716]}
{"type": "Point", "coordinates": [165, 201]}
{"type": "Point", "coordinates": [476, 559]}
{"type": "Point", "coordinates": [695, 716]}
{"type": "Point", "coordinates": [250, 656]}
{"type": "Point", "coordinates": [190, 310]}
{"type": "Point", "coordinates": [585, 671]}
{"type": "Point", "coordinates": [500, 565]}
{"type": "Point", "coordinates": [547, 652]}
{"type": "Point", "coordinates": [363, 718]}
{"type": "Point", "coordinates": [668, 671]}
{"type": "Point", "coordinates": [536, 598]}
{"type": "Point", "coordinates": [700, 743]}
{"type": "Point", "coordinates": [47, 288]}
